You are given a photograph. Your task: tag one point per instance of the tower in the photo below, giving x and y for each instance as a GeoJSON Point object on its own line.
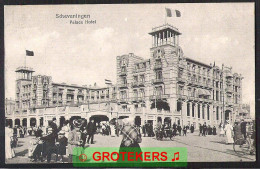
{"type": "Point", "coordinates": [23, 88]}
{"type": "Point", "coordinates": [166, 64]}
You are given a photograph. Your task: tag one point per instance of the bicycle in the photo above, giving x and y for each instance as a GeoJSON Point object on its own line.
{"type": "Point", "coordinates": [243, 146]}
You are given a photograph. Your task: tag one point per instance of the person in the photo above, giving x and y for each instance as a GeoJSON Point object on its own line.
{"type": "Point", "coordinates": [204, 128]}
{"type": "Point", "coordinates": [74, 140]}
{"type": "Point", "coordinates": [243, 128]}
{"type": "Point", "coordinates": [36, 148]}
{"type": "Point", "coordinates": [229, 129]}
{"type": "Point", "coordinates": [9, 151]}
{"type": "Point", "coordinates": [131, 139]}
{"type": "Point", "coordinates": [49, 144]}
{"type": "Point", "coordinates": [61, 144]}
{"type": "Point", "coordinates": [209, 130]}
{"type": "Point", "coordinates": [113, 132]}
{"type": "Point", "coordinates": [83, 130]}
{"type": "Point", "coordinates": [192, 128]}
{"type": "Point", "coordinates": [117, 128]}
{"type": "Point", "coordinates": [38, 132]}
{"type": "Point", "coordinates": [214, 130]}
{"type": "Point", "coordinates": [91, 129]}
{"type": "Point", "coordinates": [237, 132]}
{"type": "Point", "coordinates": [184, 130]}
{"type": "Point", "coordinates": [143, 129]}
{"type": "Point", "coordinates": [174, 128]}
{"type": "Point", "coordinates": [201, 129]}
{"type": "Point", "coordinates": [222, 132]}
{"type": "Point", "coordinates": [179, 129]}
{"type": "Point", "coordinates": [54, 127]}
{"type": "Point", "coordinates": [66, 128]}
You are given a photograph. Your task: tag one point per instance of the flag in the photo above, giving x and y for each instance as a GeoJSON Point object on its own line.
{"type": "Point", "coordinates": [29, 53]}
{"type": "Point", "coordinates": [108, 81]}
{"type": "Point", "coordinates": [171, 13]}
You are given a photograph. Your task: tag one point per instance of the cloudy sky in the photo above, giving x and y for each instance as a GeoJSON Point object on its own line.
{"type": "Point", "coordinates": [84, 54]}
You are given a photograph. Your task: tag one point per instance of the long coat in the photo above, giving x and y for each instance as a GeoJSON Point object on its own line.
{"type": "Point", "coordinates": [91, 128]}
{"type": "Point", "coordinates": [74, 138]}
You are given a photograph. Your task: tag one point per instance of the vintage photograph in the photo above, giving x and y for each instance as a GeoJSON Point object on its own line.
{"type": "Point", "coordinates": [129, 75]}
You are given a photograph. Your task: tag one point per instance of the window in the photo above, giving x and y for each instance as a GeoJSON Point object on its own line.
{"type": "Point", "coordinates": [159, 75]}
{"type": "Point", "coordinates": [217, 114]}
{"type": "Point", "coordinates": [179, 106]}
{"type": "Point", "coordinates": [193, 109]}
{"type": "Point", "coordinates": [188, 109]}
{"type": "Point", "coordinates": [180, 73]}
{"type": "Point", "coordinates": [198, 111]}
{"type": "Point", "coordinates": [208, 112]}
{"type": "Point", "coordinates": [135, 78]}
{"type": "Point", "coordinates": [142, 79]}
{"type": "Point", "coordinates": [203, 112]}
{"type": "Point", "coordinates": [217, 96]}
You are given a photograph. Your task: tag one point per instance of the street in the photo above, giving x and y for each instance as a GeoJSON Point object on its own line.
{"type": "Point", "coordinates": [200, 149]}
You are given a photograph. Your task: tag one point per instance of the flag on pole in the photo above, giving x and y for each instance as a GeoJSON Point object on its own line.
{"type": "Point", "coordinates": [171, 13]}
{"type": "Point", "coordinates": [108, 81]}
{"type": "Point", "coordinates": [29, 53]}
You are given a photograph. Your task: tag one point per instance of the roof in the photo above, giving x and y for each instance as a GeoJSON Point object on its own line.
{"type": "Point", "coordinates": [198, 62]}
{"type": "Point", "coordinates": [163, 28]}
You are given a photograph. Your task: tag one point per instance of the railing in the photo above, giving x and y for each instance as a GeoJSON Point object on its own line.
{"type": "Point", "coordinates": [123, 100]}
{"type": "Point", "coordinates": [180, 79]}
{"type": "Point", "coordinates": [157, 65]}
{"type": "Point", "coordinates": [154, 81]}
{"type": "Point", "coordinates": [70, 92]}
{"type": "Point", "coordinates": [134, 84]}
{"type": "Point", "coordinates": [123, 72]}
{"type": "Point", "coordinates": [124, 85]}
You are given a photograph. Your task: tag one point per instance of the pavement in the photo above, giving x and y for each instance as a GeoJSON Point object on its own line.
{"type": "Point", "coordinates": [200, 149]}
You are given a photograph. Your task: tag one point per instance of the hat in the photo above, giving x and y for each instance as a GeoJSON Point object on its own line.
{"type": "Point", "coordinates": [54, 118]}
{"type": "Point", "coordinates": [62, 132]}
{"type": "Point", "coordinates": [50, 129]}
{"type": "Point", "coordinates": [77, 123]}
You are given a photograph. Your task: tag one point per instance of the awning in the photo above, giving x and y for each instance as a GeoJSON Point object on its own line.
{"type": "Point", "coordinates": [207, 93]}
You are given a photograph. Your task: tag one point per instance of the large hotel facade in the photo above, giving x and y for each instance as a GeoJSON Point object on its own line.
{"type": "Point", "coordinates": [167, 87]}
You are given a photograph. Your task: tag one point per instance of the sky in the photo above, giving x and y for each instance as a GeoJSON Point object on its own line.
{"type": "Point", "coordinates": [86, 53]}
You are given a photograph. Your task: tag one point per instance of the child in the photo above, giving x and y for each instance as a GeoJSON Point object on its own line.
{"type": "Point", "coordinates": [62, 142]}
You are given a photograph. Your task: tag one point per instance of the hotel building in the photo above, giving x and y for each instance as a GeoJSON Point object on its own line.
{"type": "Point", "coordinates": [167, 87]}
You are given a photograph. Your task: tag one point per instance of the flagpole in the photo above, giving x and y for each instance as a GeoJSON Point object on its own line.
{"type": "Point", "coordinates": [165, 16]}
{"type": "Point", "coordinates": [25, 59]}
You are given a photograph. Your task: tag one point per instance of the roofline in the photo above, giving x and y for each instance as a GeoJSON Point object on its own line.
{"type": "Point", "coordinates": [198, 62]}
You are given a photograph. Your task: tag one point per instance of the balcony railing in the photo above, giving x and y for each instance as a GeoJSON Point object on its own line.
{"type": "Point", "coordinates": [160, 97]}
{"type": "Point", "coordinates": [134, 84]}
{"type": "Point", "coordinates": [135, 99]}
{"type": "Point", "coordinates": [181, 97]}
{"type": "Point", "coordinates": [123, 73]}
{"type": "Point", "coordinates": [158, 66]}
{"type": "Point", "coordinates": [70, 92]}
{"type": "Point", "coordinates": [229, 90]}
{"type": "Point", "coordinates": [156, 81]}
{"type": "Point", "coordinates": [123, 100]}
{"type": "Point", "coordinates": [124, 85]}
{"type": "Point", "coordinates": [180, 80]}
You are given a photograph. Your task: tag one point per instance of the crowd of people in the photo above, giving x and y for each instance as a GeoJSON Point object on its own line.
{"type": "Point", "coordinates": [61, 140]}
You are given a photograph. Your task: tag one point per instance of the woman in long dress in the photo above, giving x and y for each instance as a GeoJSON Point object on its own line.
{"type": "Point", "coordinates": [229, 129]}
{"type": "Point", "coordinates": [9, 152]}
{"type": "Point", "coordinates": [222, 132]}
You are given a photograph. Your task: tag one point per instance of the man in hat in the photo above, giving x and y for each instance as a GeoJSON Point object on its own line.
{"type": "Point", "coordinates": [49, 144]}
{"type": "Point", "coordinates": [61, 144]}
{"type": "Point", "coordinates": [243, 128]}
{"type": "Point", "coordinates": [54, 127]}
{"type": "Point", "coordinates": [75, 140]}
{"type": "Point", "coordinates": [91, 128]}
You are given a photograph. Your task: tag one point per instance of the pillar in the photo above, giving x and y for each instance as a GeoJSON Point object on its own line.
{"type": "Point", "coordinates": [28, 122]}
{"type": "Point", "coordinates": [37, 121]}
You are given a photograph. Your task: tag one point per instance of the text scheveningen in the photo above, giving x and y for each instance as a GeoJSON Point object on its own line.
{"type": "Point", "coordinates": [74, 16]}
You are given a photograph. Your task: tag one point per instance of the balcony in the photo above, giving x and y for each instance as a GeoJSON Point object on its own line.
{"type": "Point", "coordinates": [229, 90]}
{"type": "Point", "coordinates": [159, 97]}
{"type": "Point", "coordinates": [157, 81]}
{"type": "Point", "coordinates": [157, 66]}
{"type": "Point", "coordinates": [229, 104]}
{"type": "Point", "coordinates": [139, 70]}
{"type": "Point", "coordinates": [123, 100]}
{"type": "Point", "coordinates": [190, 98]}
{"type": "Point", "coordinates": [70, 92]}
{"type": "Point", "coordinates": [141, 83]}
{"type": "Point", "coordinates": [181, 97]}
{"type": "Point", "coordinates": [135, 100]}
{"type": "Point", "coordinates": [80, 94]}
{"type": "Point", "coordinates": [123, 73]}
{"type": "Point", "coordinates": [122, 86]}
{"type": "Point", "coordinates": [180, 80]}
{"type": "Point", "coordinates": [134, 84]}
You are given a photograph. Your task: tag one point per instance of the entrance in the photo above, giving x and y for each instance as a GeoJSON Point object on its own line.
{"type": "Point", "coordinates": [98, 118]}
{"type": "Point", "coordinates": [24, 122]}
{"type": "Point", "coordinates": [62, 120]}
{"type": "Point", "coordinates": [138, 120]}
{"type": "Point", "coordinates": [33, 122]}
{"type": "Point", "coordinates": [227, 114]}
{"type": "Point", "coordinates": [17, 122]}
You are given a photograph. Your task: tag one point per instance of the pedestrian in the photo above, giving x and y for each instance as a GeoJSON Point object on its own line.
{"type": "Point", "coordinates": [237, 131]}
{"type": "Point", "coordinates": [9, 151]}
{"type": "Point", "coordinates": [222, 132]}
{"type": "Point", "coordinates": [36, 148]}
{"type": "Point", "coordinates": [214, 130]}
{"type": "Point", "coordinates": [54, 127]}
{"type": "Point", "coordinates": [49, 144]}
{"type": "Point", "coordinates": [200, 129]}
{"type": "Point", "coordinates": [243, 128]}
{"type": "Point", "coordinates": [229, 129]}
{"type": "Point", "coordinates": [204, 129]}
{"type": "Point", "coordinates": [74, 141]}
{"type": "Point", "coordinates": [192, 128]}
{"type": "Point", "coordinates": [83, 130]}
{"type": "Point", "coordinates": [91, 129]}
{"type": "Point", "coordinates": [61, 144]}
{"type": "Point", "coordinates": [174, 128]}
{"type": "Point", "coordinates": [130, 141]}
{"type": "Point", "coordinates": [179, 129]}
{"type": "Point", "coordinates": [184, 130]}
{"type": "Point", "coordinates": [143, 129]}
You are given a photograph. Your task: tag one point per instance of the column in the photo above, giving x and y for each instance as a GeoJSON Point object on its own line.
{"type": "Point", "coordinates": [156, 40]}
{"type": "Point", "coordinates": [163, 38]}
{"type": "Point", "coordinates": [177, 40]}
{"type": "Point", "coordinates": [37, 121]}
{"type": "Point", "coordinates": [28, 122]}
{"type": "Point", "coordinates": [167, 35]}
{"type": "Point", "coordinates": [184, 112]}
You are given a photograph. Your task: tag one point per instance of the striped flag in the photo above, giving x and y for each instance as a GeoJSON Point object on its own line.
{"type": "Point", "coordinates": [171, 13]}
{"type": "Point", "coordinates": [29, 53]}
{"type": "Point", "coordinates": [108, 81]}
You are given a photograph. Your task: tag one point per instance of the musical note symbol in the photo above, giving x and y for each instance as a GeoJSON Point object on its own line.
{"type": "Point", "coordinates": [177, 158]}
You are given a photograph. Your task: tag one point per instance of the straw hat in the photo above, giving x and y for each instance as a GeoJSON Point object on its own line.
{"type": "Point", "coordinates": [77, 123]}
